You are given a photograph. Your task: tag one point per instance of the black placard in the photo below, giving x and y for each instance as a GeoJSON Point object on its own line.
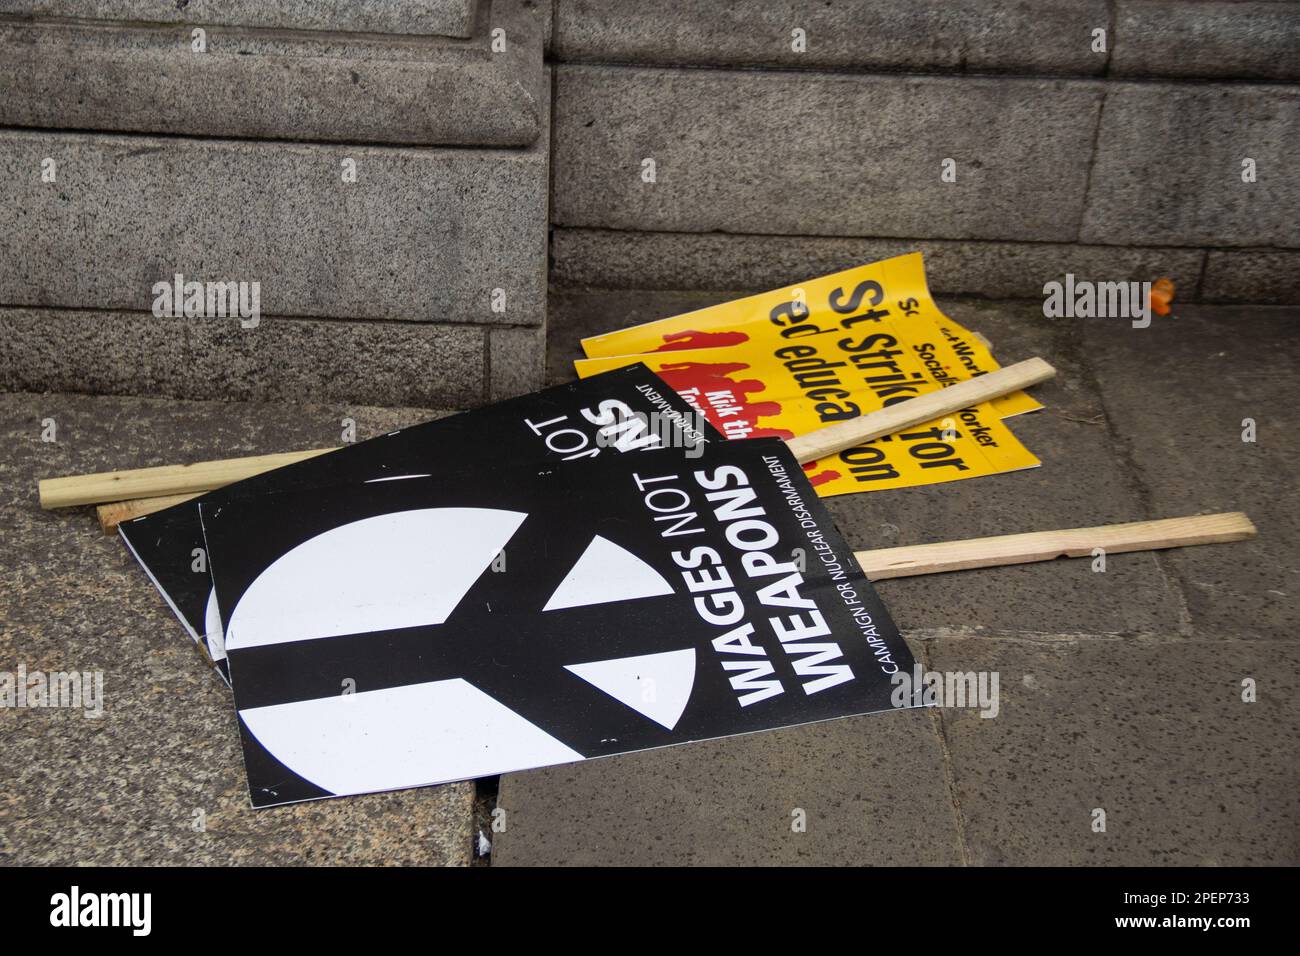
{"type": "Point", "coordinates": [560, 424]}
{"type": "Point", "coordinates": [419, 630]}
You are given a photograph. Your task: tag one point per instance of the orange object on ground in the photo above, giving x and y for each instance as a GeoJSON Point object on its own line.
{"type": "Point", "coordinates": [1162, 293]}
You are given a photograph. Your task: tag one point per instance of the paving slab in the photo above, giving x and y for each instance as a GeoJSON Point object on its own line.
{"type": "Point", "coordinates": [872, 790]}
{"type": "Point", "coordinates": [132, 786]}
{"type": "Point", "coordinates": [1120, 691]}
{"type": "Point", "coordinates": [1110, 697]}
{"type": "Point", "coordinates": [1153, 732]}
{"type": "Point", "coordinates": [1177, 394]}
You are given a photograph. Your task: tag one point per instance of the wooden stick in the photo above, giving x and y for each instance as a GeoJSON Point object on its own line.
{"type": "Point", "coordinates": [916, 411]}
{"type": "Point", "coordinates": [165, 480]}
{"type": "Point", "coordinates": [1046, 545]}
{"type": "Point", "coordinates": [112, 515]}
{"type": "Point", "coordinates": [174, 480]}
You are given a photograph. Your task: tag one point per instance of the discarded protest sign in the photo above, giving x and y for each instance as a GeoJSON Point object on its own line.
{"type": "Point", "coordinates": [630, 409]}
{"type": "Point", "coordinates": [794, 391]}
{"type": "Point", "coordinates": [843, 303]}
{"type": "Point", "coordinates": [645, 600]}
{"type": "Point", "coordinates": [793, 360]}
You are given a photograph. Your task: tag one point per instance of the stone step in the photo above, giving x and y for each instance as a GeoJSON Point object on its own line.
{"type": "Point", "coordinates": [1170, 162]}
{"type": "Point", "coordinates": [279, 74]}
{"type": "Point", "coordinates": [422, 234]}
{"type": "Point", "coordinates": [1211, 39]}
{"type": "Point", "coordinates": [806, 153]}
{"type": "Point", "coordinates": [282, 359]}
{"type": "Point", "coordinates": [452, 18]}
{"type": "Point", "coordinates": [441, 251]}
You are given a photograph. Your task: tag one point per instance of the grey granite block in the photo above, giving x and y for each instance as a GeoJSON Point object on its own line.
{"type": "Point", "coordinates": [793, 153]}
{"type": "Point", "coordinates": [133, 786]}
{"type": "Point", "coordinates": [1169, 166]}
{"type": "Point", "coordinates": [1249, 40]}
{"type": "Point", "coordinates": [872, 790]}
{"type": "Point", "coordinates": [422, 234]}
{"type": "Point", "coordinates": [610, 259]}
{"type": "Point", "coordinates": [1154, 733]}
{"type": "Point", "coordinates": [1260, 276]}
{"type": "Point", "coordinates": [441, 17]}
{"type": "Point", "coordinates": [574, 315]}
{"type": "Point", "coordinates": [134, 353]}
{"type": "Point", "coordinates": [516, 361]}
{"type": "Point", "coordinates": [316, 87]}
{"type": "Point", "coordinates": [1048, 36]}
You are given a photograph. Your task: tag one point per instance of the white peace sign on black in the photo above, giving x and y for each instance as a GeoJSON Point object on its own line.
{"type": "Point", "coordinates": [452, 662]}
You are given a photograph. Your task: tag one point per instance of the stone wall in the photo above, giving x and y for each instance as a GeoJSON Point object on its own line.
{"type": "Point", "coordinates": [380, 169]}
{"type": "Point", "coordinates": [669, 144]}
{"type": "Point", "coordinates": [780, 155]}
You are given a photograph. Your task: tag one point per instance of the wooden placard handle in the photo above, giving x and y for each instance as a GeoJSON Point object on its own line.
{"type": "Point", "coordinates": [916, 411]}
{"type": "Point", "coordinates": [172, 480]}
{"type": "Point", "coordinates": [164, 480]}
{"type": "Point", "coordinates": [944, 556]}
{"type": "Point", "coordinates": [112, 515]}
{"type": "Point", "coordinates": [1046, 545]}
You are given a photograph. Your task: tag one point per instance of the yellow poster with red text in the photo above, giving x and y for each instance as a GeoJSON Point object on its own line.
{"type": "Point", "coordinates": [893, 288]}
{"type": "Point", "coordinates": [787, 362]}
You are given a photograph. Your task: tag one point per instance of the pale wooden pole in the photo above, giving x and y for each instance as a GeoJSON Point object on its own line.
{"type": "Point", "coordinates": [917, 411]}
{"type": "Point", "coordinates": [1047, 545]}
{"type": "Point", "coordinates": [164, 480]}
{"type": "Point", "coordinates": [168, 480]}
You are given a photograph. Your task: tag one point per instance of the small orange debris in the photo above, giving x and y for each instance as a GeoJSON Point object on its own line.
{"type": "Point", "coordinates": [1162, 293]}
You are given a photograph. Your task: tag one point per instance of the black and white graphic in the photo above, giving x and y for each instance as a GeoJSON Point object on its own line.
{"type": "Point", "coordinates": [559, 424]}
{"type": "Point", "coordinates": [420, 630]}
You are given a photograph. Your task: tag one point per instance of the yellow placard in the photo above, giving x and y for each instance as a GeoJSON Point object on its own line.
{"type": "Point", "coordinates": [789, 361]}
{"type": "Point", "coordinates": [793, 387]}
{"type": "Point", "coordinates": [843, 302]}
{"type": "Point", "coordinates": [962, 355]}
